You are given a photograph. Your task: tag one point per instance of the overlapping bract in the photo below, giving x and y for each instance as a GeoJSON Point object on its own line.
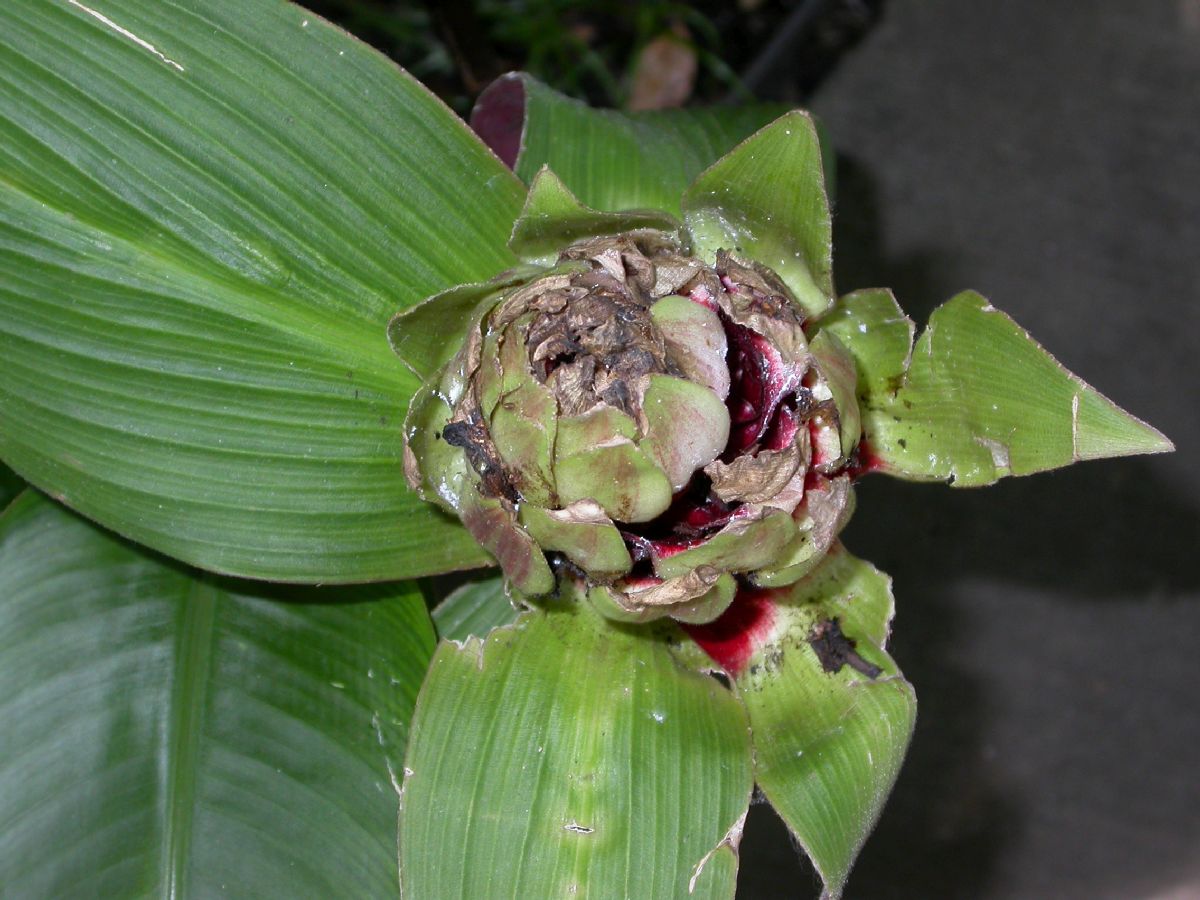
{"type": "Point", "coordinates": [659, 424]}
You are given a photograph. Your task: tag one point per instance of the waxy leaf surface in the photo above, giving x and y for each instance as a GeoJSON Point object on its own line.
{"type": "Point", "coordinates": [828, 742]}
{"type": "Point", "coordinates": [765, 201]}
{"type": "Point", "coordinates": [592, 764]}
{"type": "Point", "coordinates": [208, 213]}
{"type": "Point", "coordinates": [168, 733]}
{"type": "Point", "coordinates": [979, 400]}
{"type": "Point", "coordinates": [475, 609]}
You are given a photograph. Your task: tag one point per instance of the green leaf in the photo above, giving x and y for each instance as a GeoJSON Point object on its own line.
{"type": "Point", "coordinates": [474, 609]}
{"type": "Point", "coordinates": [828, 745]}
{"type": "Point", "coordinates": [427, 336]}
{"type": "Point", "coordinates": [591, 763]}
{"type": "Point", "coordinates": [879, 335]}
{"type": "Point", "coordinates": [980, 400]}
{"type": "Point", "coordinates": [620, 161]}
{"type": "Point", "coordinates": [840, 372]}
{"type": "Point", "coordinates": [582, 533]}
{"type": "Point", "coordinates": [208, 213]}
{"type": "Point", "coordinates": [765, 201]}
{"type": "Point", "coordinates": [553, 218]}
{"type": "Point", "coordinates": [164, 733]}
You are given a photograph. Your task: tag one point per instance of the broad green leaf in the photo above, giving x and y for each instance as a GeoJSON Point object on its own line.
{"type": "Point", "coordinates": [474, 609]}
{"type": "Point", "coordinates": [208, 213]}
{"type": "Point", "coordinates": [765, 201]}
{"type": "Point", "coordinates": [167, 733]}
{"type": "Point", "coordinates": [590, 763]}
{"type": "Point", "coordinates": [828, 744]}
{"type": "Point", "coordinates": [10, 486]}
{"type": "Point", "coordinates": [611, 160]}
{"type": "Point", "coordinates": [980, 399]}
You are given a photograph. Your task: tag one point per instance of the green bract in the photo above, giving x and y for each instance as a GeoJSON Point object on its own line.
{"type": "Point", "coordinates": [657, 422]}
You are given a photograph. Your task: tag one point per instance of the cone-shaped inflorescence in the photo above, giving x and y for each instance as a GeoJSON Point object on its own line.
{"type": "Point", "coordinates": [659, 425]}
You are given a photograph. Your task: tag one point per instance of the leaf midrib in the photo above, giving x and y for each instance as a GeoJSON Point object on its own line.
{"type": "Point", "coordinates": [186, 719]}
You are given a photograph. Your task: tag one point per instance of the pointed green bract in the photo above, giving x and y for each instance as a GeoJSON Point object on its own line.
{"type": "Point", "coordinates": [765, 201]}
{"type": "Point", "coordinates": [208, 214]}
{"type": "Point", "coordinates": [873, 327]}
{"type": "Point", "coordinates": [427, 336]}
{"type": "Point", "coordinates": [553, 218]}
{"type": "Point", "coordinates": [164, 733]}
{"type": "Point", "coordinates": [980, 399]}
{"type": "Point", "coordinates": [618, 161]}
{"type": "Point", "coordinates": [828, 744]}
{"type": "Point", "coordinates": [598, 766]}
{"type": "Point", "coordinates": [474, 609]}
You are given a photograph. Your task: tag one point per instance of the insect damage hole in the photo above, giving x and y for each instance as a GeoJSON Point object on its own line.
{"type": "Point", "coordinates": [835, 650]}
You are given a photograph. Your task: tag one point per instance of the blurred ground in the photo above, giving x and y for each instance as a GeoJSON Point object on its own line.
{"type": "Point", "coordinates": [1047, 155]}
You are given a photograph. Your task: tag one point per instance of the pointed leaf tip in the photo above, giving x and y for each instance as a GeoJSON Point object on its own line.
{"type": "Point", "coordinates": [830, 715]}
{"type": "Point", "coordinates": [426, 336]}
{"type": "Point", "coordinates": [1102, 429]}
{"type": "Point", "coordinates": [765, 201]}
{"type": "Point", "coordinates": [553, 218]}
{"type": "Point", "coordinates": [977, 399]}
{"type": "Point", "coordinates": [615, 161]}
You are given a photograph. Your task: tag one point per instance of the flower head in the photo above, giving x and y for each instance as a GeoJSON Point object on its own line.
{"type": "Point", "coordinates": [656, 423]}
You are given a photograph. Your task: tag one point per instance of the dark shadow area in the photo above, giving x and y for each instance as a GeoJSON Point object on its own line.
{"type": "Point", "coordinates": [767, 50]}
{"type": "Point", "coordinates": [949, 818]}
{"type": "Point", "coordinates": [921, 280]}
{"type": "Point", "coordinates": [1081, 535]}
{"type": "Point", "coordinates": [1093, 532]}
